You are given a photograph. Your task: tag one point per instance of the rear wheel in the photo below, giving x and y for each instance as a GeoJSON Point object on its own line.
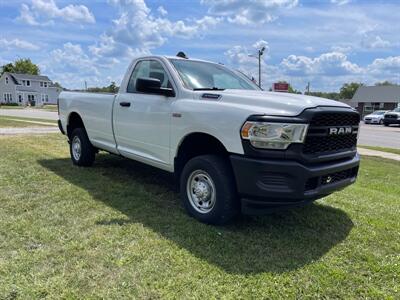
{"type": "Point", "coordinates": [208, 190]}
{"type": "Point", "coordinates": [380, 122]}
{"type": "Point", "coordinates": [81, 150]}
{"type": "Point", "coordinates": [386, 124]}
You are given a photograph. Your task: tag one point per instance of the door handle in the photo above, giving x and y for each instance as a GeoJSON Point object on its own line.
{"type": "Point", "coordinates": [125, 104]}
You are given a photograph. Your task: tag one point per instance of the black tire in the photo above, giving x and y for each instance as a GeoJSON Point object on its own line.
{"type": "Point", "coordinates": [380, 122]}
{"type": "Point", "coordinates": [87, 152]}
{"type": "Point", "coordinates": [226, 205]}
{"type": "Point", "coordinates": [386, 124]}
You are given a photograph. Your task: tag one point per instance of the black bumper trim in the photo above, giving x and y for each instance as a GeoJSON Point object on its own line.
{"type": "Point", "coordinates": [272, 182]}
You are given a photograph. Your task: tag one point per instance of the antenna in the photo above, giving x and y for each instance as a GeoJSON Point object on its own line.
{"type": "Point", "coordinates": [182, 54]}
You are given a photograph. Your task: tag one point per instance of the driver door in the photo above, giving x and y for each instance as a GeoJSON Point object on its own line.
{"type": "Point", "coordinates": [142, 120]}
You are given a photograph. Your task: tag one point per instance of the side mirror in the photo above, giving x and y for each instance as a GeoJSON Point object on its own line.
{"type": "Point", "coordinates": [153, 86]}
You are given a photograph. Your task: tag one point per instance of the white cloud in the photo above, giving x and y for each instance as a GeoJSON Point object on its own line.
{"type": "Point", "coordinates": [26, 16]}
{"type": "Point", "coordinates": [327, 64]}
{"type": "Point", "coordinates": [248, 12]}
{"type": "Point", "coordinates": [42, 11]}
{"type": "Point", "coordinates": [161, 10]}
{"type": "Point", "coordinates": [71, 66]}
{"type": "Point", "coordinates": [374, 42]}
{"type": "Point", "coordinates": [386, 65]}
{"type": "Point", "coordinates": [17, 44]}
{"type": "Point", "coordinates": [240, 55]}
{"type": "Point", "coordinates": [138, 31]}
{"type": "Point", "coordinates": [340, 2]}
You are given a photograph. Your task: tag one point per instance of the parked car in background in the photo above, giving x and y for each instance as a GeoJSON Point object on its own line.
{"type": "Point", "coordinates": [392, 117]}
{"type": "Point", "coordinates": [375, 118]}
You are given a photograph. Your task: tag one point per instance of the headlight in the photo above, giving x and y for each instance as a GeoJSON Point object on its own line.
{"type": "Point", "coordinates": [269, 135]}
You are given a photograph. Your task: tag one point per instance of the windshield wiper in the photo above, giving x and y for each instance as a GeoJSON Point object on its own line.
{"type": "Point", "coordinates": [209, 89]}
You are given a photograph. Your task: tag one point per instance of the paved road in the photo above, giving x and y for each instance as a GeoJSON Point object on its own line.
{"type": "Point", "coordinates": [378, 135]}
{"type": "Point", "coordinates": [28, 130]}
{"type": "Point", "coordinates": [29, 113]}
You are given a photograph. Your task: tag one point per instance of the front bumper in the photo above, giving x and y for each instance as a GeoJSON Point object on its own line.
{"type": "Point", "coordinates": [390, 121]}
{"type": "Point", "coordinates": [265, 184]}
{"type": "Point", "coordinates": [372, 121]}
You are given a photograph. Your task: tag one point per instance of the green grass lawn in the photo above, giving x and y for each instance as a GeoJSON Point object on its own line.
{"type": "Point", "coordinates": [11, 107]}
{"type": "Point", "coordinates": [118, 231]}
{"type": "Point", "coordinates": [384, 149]}
{"type": "Point", "coordinates": [9, 121]}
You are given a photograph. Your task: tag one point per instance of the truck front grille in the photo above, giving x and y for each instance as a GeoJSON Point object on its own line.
{"type": "Point", "coordinates": [319, 139]}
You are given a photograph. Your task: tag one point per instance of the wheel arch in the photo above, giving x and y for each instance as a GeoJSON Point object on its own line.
{"type": "Point", "coordinates": [74, 121]}
{"type": "Point", "coordinates": [195, 144]}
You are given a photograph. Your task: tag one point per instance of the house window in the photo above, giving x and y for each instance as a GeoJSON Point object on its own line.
{"type": "Point", "coordinates": [6, 80]}
{"type": "Point", "coordinates": [28, 83]}
{"type": "Point", "coordinates": [47, 98]}
{"type": "Point", "coordinates": [45, 84]}
{"type": "Point", "coordinates": [20, 98]}
{"type": "Point", "coordinates": [41, 84]}
{"type": "Point", "coordinates": [7, 97]}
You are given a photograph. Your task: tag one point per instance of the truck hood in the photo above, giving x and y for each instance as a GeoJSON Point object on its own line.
{"type": "Point", "coordinates": [273, 103]}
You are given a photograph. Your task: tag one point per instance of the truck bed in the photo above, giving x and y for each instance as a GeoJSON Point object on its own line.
{"type": "Point", "coordinates": [97, 109]}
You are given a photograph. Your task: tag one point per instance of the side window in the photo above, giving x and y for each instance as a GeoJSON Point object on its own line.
{"type": "Point", "coordinates": [148, 69]}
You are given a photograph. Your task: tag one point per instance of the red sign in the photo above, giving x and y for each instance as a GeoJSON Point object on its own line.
{"type": "Point", "coordinates": [281, 87]}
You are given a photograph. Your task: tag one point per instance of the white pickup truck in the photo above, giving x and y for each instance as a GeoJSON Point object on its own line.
{"type": "Point", "coordinates": [232, 146]}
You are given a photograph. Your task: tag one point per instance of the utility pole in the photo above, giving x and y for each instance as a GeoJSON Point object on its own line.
{"type": "Point", "coordinates": [260, 53]}
{"type": "Point", "coordinates": [308, 88]}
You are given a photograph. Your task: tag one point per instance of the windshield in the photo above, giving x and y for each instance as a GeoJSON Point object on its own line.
{"type": "Point", "coordinates": [396, 109]}
{"type": "Point", "coordinates": [378, 112]}
{"type": "Point", "coordinates": [197, 75]}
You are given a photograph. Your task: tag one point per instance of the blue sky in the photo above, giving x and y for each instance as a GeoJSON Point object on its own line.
{"type": "Point", "coordinates": [326, 43]}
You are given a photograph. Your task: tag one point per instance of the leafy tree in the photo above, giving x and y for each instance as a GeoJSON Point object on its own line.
{"type": "Point", "coordinates": [328, 95]}
{"type": "Point", "coordinates": [57, 84]}
{"type": "Point", "coordinates": [385, 83]}
{"type": "Point", "coordinates": [7, 68]}
{"type": "Point", "coordinates": [348, 90]}
{"type": "Point", "coordinates": [112, 88]}
{"type": "Point", "coordinates": [22, 66]}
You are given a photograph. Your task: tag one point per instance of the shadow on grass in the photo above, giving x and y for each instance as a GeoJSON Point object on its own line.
{"type": "Point", "coordinates": [276, 243]}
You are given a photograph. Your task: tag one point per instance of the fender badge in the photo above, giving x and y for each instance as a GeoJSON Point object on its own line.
{"type": "Point", "coordinates": [211, 96]}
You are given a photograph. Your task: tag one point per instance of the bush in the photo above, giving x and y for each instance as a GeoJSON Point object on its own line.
{"type": "Point", "coordinates": [9, 104]}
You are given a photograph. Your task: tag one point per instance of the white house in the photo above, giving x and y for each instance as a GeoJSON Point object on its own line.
{"type": "Point", "coordinates": [25, 89]}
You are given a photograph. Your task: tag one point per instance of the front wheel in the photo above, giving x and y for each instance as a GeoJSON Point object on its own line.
{"type": "Point", "coordinates": [81, 150]}
{"type": "Point", "coordinates": [380, 122]}
{"type": "Point", "coordinates": [208, 190]}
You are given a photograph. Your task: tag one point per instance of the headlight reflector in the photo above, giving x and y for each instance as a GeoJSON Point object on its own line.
{"type": "Point", "coordinates": [269, 135]}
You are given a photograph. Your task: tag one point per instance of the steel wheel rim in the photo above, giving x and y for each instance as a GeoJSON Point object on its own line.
{"type": "Point", "coordinates": [76, 148]}
{"type": "Point", "coordinates": [200, 189]}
